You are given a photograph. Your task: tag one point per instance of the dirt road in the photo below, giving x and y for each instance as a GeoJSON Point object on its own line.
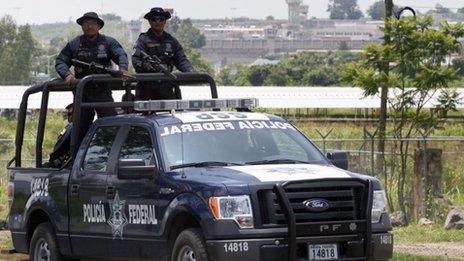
{"type": "Point", "coordinates": [443, 249]}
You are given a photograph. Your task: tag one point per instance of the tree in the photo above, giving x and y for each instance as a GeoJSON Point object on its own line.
{"type": "Point", "coordinates": [7, 32]}
{"type": "Point", "coordinates": [241, 78]}
{"type": "Point", "coordinates": [377, 10]}
{"type": "Point", "coordinates": [270, 18]}
{"type": "Point", "coordinates": [299, 69]}
{"type": "Point", "coordinates": [322, 76]}
{"type": "Point", "coordinates": [448, 101]}
{"type": "Point", "coordinates": [226, 75]}
{"type": "Point", "coordinates": [191, 38]}
{"type": "Point", "coordinates": [57, 41]}
{"type": "Point", "coordinates": [258, 74]}
{"type": "Point", "coordinates": [418, 73]}
{"type": "Point", "coordinates": [458, 64]}
{"type": "Point", "coordinates": [461, 10]}
{"type": "Point", "coordinates": [25, 51]}
{"type": "Point", "coordinates": [343, 46]}
{"type": "Point", "coordinates": [344, 9]}
{"type": "Point", "coordinates": [198, 63]}
{"type": "Point", "coordinates": [439, 9]}
{"type": "Point", "coordinates": [17, 52]}
{"type": "Point", "coordinates": [277, 77]}
{"type": "Point", "coordinates": [189, 35]}
{"type": "Point", "coordinates": [255, 75]}
{"type": "Point", "coordinates": [173, 24]}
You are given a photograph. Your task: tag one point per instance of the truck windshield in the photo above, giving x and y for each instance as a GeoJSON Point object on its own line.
{"type": "Point", "coordinates": [223, 143]}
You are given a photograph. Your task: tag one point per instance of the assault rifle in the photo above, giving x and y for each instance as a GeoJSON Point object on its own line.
{"type": "Point", "coordinates": [156, 64]}
{"type": "Point", "coordinates": [93, 66]}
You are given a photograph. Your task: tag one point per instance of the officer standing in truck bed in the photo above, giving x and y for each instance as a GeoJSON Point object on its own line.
{"type": "Point", "coordinates": [89, 47]}
{"type": "Point", "coordinates": [157, 42]}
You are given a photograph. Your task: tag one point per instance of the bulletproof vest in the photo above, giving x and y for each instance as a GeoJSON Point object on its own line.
{"type": "Point", "coordinates": [92, 51]}
{"type": "Point", "coordinates": [163, 49]}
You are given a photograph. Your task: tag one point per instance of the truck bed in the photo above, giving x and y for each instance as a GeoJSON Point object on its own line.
{"type": "Point", "coordinates": [37, 189]}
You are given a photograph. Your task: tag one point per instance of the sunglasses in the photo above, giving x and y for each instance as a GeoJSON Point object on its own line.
{"type": "Point", "coordinates": [67, 114]}
{"type": "Point", "coordinates": [158, 19]}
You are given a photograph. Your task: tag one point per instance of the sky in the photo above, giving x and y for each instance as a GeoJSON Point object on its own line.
{"type": "Point", "coordinates": [50, 11]}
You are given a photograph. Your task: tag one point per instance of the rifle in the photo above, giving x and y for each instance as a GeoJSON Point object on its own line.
{"type": "Point", "coordinates": [156, 64]}
{"type": "Point", "coordinates": [93, 65]}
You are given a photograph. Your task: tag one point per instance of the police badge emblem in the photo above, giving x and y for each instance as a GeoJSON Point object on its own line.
{"type": "Point", "coordinates": [102, 51]}
{"type": "Point", "coordinates": [118, 218]}
{"type": "Point", "coordinates": [168, 47]}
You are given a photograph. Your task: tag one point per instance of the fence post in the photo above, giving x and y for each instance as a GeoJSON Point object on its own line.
{"type": "Point", "coordinates": [424, 178]}
{"type": "Point", "coordinates": [372, 139]}
{"type": "Point", "coordinates": [421, 180]}
{"type": "Point", "coordinates": [324, 137]}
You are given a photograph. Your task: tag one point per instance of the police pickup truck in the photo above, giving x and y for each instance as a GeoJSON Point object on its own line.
{"type": "Point", "coordinates": [182, 180]}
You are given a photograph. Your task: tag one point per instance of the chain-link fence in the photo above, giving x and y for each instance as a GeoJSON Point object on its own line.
{"type": "Point", "coordinates": [364, 157]}
{"type": "Point", "coordinates": [414, 181]}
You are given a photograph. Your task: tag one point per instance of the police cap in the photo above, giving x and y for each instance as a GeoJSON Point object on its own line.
{"type": "Point", "coordinates": [157, 11]}
{"type": "Point", "coordinates": [91, 15]}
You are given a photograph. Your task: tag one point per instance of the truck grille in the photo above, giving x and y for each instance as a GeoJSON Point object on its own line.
{"type": "Point", "coordinates": [346, 202]}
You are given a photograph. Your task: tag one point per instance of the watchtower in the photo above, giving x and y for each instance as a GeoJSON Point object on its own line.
{"type": "Point", "coordinates": [297, 12]}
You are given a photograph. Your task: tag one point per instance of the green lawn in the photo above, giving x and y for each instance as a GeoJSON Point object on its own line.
{"type": "Point", "coordinates": [416, 234]}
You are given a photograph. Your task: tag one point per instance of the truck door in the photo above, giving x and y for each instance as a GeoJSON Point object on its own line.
{"type": "Point", "coordinates": [88, 207]}
{"type": "Point", "coordinates": [135, 228]}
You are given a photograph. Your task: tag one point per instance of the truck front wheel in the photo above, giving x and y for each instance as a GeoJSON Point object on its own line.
{"type": "Point", "coordinates": [44, 245]}
{"type": "Point", "coordinates": [189, 246]}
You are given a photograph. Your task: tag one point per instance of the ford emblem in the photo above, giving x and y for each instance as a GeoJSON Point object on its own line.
{"type": "Point", "coordinates": [316, 205]}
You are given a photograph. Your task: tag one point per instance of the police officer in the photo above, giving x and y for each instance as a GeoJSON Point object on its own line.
{"type": "Point", "coordinates": [160, 43]}
{"type": "Point", "coordinates": [61, 151]}
{"type": "Point", "coordinates": [89, 47]}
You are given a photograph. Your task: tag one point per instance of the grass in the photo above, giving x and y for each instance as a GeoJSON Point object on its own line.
{"type": "Point", "coordinates": [407, 257]}
{"type": "Point", "coordinates": [6, 244]}
{"type": "Point", "coordinates": [433, 234]}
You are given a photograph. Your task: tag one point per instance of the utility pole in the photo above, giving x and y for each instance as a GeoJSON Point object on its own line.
{"type": "Point", "coordinates": [384, 94]}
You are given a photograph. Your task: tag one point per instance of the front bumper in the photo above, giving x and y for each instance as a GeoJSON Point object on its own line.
{"type": "Point", "coordinates": [350, 247]}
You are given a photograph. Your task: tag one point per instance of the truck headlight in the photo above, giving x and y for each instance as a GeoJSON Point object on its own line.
{"type": "Point", "coordinates": [237, 208]}
{"type": "Point", "coordinates": [379, 205]}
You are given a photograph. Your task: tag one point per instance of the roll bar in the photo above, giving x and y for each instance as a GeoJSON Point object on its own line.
{"type": "Point", "coordinates": [78, 89]}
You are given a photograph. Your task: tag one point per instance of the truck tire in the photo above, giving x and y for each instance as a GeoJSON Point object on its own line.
{"type": "Point", "coordinates": [44, 245]}
{"type": "Point", "coordinates": [189, 246]}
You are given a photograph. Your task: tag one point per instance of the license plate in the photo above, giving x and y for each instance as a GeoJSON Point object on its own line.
{"type": "Point", "coordinates": [323, 252]}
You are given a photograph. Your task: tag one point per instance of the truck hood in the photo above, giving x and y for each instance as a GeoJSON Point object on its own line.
{"type": "Point", "coordinates": [237, 179]}
{"type": "Point", "coordinates": [253, 174]}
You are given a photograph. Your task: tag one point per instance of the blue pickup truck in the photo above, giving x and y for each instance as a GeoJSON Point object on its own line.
{"type": "Point", "coordinates": [184, 180]}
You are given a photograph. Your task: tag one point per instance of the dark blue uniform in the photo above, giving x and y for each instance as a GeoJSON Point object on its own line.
{"type": "Point", "coordinates": [170, 52]}
{"type": "Point", "coordinates": [60, 152]}
{"type": "Point", "coordinates": [102, 50]}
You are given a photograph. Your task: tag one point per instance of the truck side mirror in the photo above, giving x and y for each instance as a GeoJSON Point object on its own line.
{"type": "Point", "coordinates": [339, 159]}
{"type": "Point", "coordinates": [135, 169]}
